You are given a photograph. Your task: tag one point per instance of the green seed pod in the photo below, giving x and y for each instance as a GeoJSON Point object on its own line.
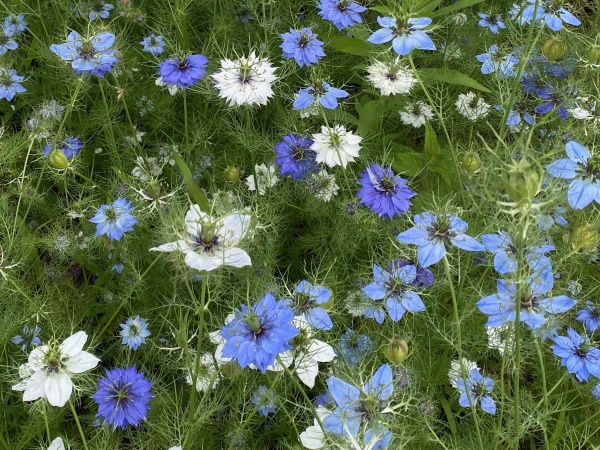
{"type": "Point", "coordinates": [593, 54]}
{"type": "Point", "coordinates": [153, 189]}
{"type": "Point", "coordinates": [231, 173]}
{"type": "Point", "coordinates": [554, 49]}
{"type": "Point", "coordinates": [471, 162]}
{"type": "Point", "coordinates": [58, 159]}
{"type": "Point", "coordinates": [521, 181]}
{"type": "Point", "coordinates": [396, 350]}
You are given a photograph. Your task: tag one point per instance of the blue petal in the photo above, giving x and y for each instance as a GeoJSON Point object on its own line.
{"type": "Point", "coordinates": [563, 168]}
{"type": "Point", "coordinates": [488, 405]}
{"type": "Point", "coordinates": [342, 392]}
{"type": "Point", "coordinates": [577, 152]}
{"type": "Point", "coordinates": [381, 383]}
{"type": "Point", "coordinates": [468, 243]}
{"type": "Point", "coordinates": [412, 302]}
{"type": "Point", "coordinates": [381, 36]}
{"type": "Point", "coordinates": [431, 253]}
{"type": "Point", "coordinates": [414, 235]}
{"type": "Point", "coordinates": [319, 319]}
{"type": "Point", "coordinates": [581, 193]}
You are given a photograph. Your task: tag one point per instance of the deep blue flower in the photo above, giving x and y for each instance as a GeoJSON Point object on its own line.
{"type": "Point", "coordinates": [303, 46]}
{"type": "Point", "coordinates": [404, 35]}
{"type": "Point", "coordinates": [93, 55]}
{"type": "Point", "coordinates": [552, 15]}
{"type": "Point", "coordinates": [258, 334]}
{"type": "Point", "coordinates": [431, 233]}
{"type": "Point", "coordinates": [497, 62]}
{"type": "Point", "coordinates": [505, 253]}
{"type": "Point", "coordinates": [342, 13]}
{"type": "Point", "coordinates": [114, 219]}
{"type": "Point", "coordinates": [9, 84]}
{"type": "Point", "coordinates": [383, 192]}
{"type": "Point", "coordinates": [100, 10]}
{"type": "Point", "coordinates": [265, 400]}
{"type": "Point", "coordinates": [326, 94]}
{"type": "Point", "coordinates": [123, 396]}
{"type": "Point", "coordinates": [307, 300]}
{"type": "Point", "coordinates": [578, 355]}
{"type": "Point", "coordinates": [7, 43]}
{"type": "Point", "coordinates": [394, 288]}
{"type": "Point", "coordinates": [583, 169]}
{"type": "Point", "coordinates": [554, 101]}
{"type": "Point", "coordinates": [295, 158]}
{"type": "Point", "coordinates": [424, 276]}
{"type": "Point", "coordinates": [546, 221]}
{"type": "Point", "coordinates": [14, 25]}
{"type": "Point", "coordinates": [533, 303]}
{"type": "Point", "coordinates": [184, 73]}
{"type": "Point", "coordinates": [28, 337]}
{"type": "Point", "coordinates": [478, 388]}
{"type": "Point", "coordinates": [532, 84]}
{"type": "Point", "coordinates": [590, 316]}
{"type": "Point", "coordinates": [353, 405]}
{"type": "Point", "coordinates": [492, 22]}
{"type": "Point", "coordinates": [516, 114]}
{"type": "Point", "coordinates": [154, 44]}
{"type": "Point", "coordinates": [355, 347]}
{"type": "Point", "coordinates": [134, 332]}
{"type": "Point", "coordinates": [70, 146]}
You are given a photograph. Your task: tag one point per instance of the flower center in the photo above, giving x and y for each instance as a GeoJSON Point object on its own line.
{"type": "Point", "coordinates": [87, 48]}
{"type": "Point", "coordinates": [254, 324]}
{"type": "Point", "coordinates": [298, 153]}
{"type": "Point", "coordinates": [121, 394]}
{"type": "Point", "coordinates": [245, 74]}
{"type": "Point", "coordinates": [304, 40]}
{"type": "Point", "coordinates": [206, 243]}
{"type": "Point", "coordinates": [529, 303]}
{"type": "Point", "coordinates": [304, 302]}
{"type": "Point", "coordinates": [369, 406]}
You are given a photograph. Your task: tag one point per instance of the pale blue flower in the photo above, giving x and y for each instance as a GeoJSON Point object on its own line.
{"type": "Point", "coordinates": [265, 400]}
{"type": "Point", "coordinates": [134, 332]}
{"type": "Point", "coordinates": [114, 220]}
{"type": "Point", "coordinates": [478, 388]}
{"type": "Point", "coordinates": [404, 35]}
{"type": "Point", "coordinates": [326, 95]}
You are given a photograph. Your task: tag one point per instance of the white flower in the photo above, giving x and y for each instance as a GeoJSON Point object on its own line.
{"type": "Point", "coordinates": [145, 168]}
{"type": "Point", "coordinates": [171, 87]}
{"type": "Point", "coordinates": [471, 106]}
{"type": "Point", "coordinates": [176, 448]}
{"type": "Point", "coordinates": [208, 375]}
{"type": "Point", "coordinates": [265, 177]}
{"type": "Point", "coordinates": [459, 18]}
{"type": "Point", "coordinates": [25, 373]}
{"type": "Point", "coordinates": [394, 78]}
{"type": "Point", "coordinates": [335, 146]}
{"type": "Point", "coordinates": [314, 437]}
{"type": "Point", "coordinates": [455, 373]}
{"type": "Point", "coordinates": [322, 185]}
{"type": "Point", "coordinates": [57, 444]}
{"type": "Point", "coordinates": [416, 114]}
{"type": "Point", "coordinates": [52, 369]}
{"type": "Point", "coordinates": [356, 303]}
{"type": "Point", "coordinates": [581, 113]}
{"type": "Point", "coordinates": [497, 337]}
{"type": "Point", "coordinates": [211, 243]}
{"type": "Point", "coordinates": [245, 81]}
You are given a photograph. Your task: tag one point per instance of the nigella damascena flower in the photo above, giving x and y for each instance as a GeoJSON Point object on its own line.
{"type": "Point", "coordinates": [100, 10]}
{"type": "Point", "coordinates": [7, 43]}
{"type": "Point", "coordinates": [93, 55]}
{"type": "Point", "coordinates": [498, 62]}
{"type": "Point", "coordinates": [114, 220]}
{"type": "Point", "coordinates": [391, 78]}
{"type": "Point", "coordinates": [551, 14]}
{"type": "Point", "coordinates": [590, 316]}
{"type": "Point", "coordinates": [431, 233]}
{"type": "Point", "coordinates": [14, 24]}
{"type": "Point", "coordinates": [265, 400]}
{"type": "Point", "coordinates": [123, 396]}
{"type": "Point", "coordinates": [405, 35]}
{"type": "Point", "coordinates": [505, 253]}
{"type": "Point", "coordinates": [584, 170]}
{"type": "Point", "coordinates": [183, 73]}
{"type": "Point", "coordinates": [493, 22]}
{"type": "Point", "coordinates": [303, 46]}
{"type": "Point", "coordinates": [258, 334]}
{"type": "Point", "coordinates": [211, 243]}
{"type": "Point", "coordinates": [383, 192]}
{"type": "Point", "coordinates": [10, 83]}
{"type": "Point", "coordinates": [324, 93]}
{"type": "Point", "coordinates": [342, 13]}
{"type": "Point", "coordinates": [154, 44]}
{"type": "Point", "coordinates": [578, 355]}
{"type": "Point", "coordinates": [294, 156]}
{"type": "Point", "coordinates": [478, 389]}
{"type": "Point", "coordinates": [28, 337]}
{"type": "Point", "coordinates": [335, 146]}
{"type": "Point", "coordinates": [134, 332]}
{"type": "Point", "coordinates": [355, 347]}
{"type": "Point", "coordinates": [70, 146]}
{"type": "Point", "coordinates": [306, 300]}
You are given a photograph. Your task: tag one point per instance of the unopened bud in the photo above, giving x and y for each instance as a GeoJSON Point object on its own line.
{"type": "Point", "coordinates": [522, 182]}
{"type": "Point", "coordinates": [153, 189]}
{"type": "Point", "coordinates": [554, 49]}
{"type": "Point", "coordinates": [231, 173]}
{"type": "Point", "coordinates": [593, 54]}
{"type": "Point", "coordinates": [396, 350]}
{"type": "Point", "coordinates": [58, 159]}
{"type": "Point", "coordinates": [471, 162]}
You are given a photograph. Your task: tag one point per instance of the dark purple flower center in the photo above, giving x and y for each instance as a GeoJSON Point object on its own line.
{"type": "Point", "coordinates": [591, 168]}
{"type": "Point", "coordinates": [121, 394]}
{"type": "Point", "coordinates": [205, 243]}
{"type": "Point", "coordinates": [529, 303]}
{"type": "Point", "coordinates": [440, 231]}
{"type": "Point", "coordinates": [304, 40]}
{"type": "Point", "coordinates": [304, 302]}
{"type": "Point", "coordinates": [298, 152]}
{"type": "Point", "coordinates": [394, 287]}
{"type": "Point", "coordinates": [182, 64]}
{"type": "Point", "coordinates": [387, 185]}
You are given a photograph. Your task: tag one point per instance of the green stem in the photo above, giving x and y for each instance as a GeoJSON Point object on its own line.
{"type": "Point", "coordinates": [185, 118]}
{"type": "Point", "coordinates": [85, 446]}
{"type": "Point", "coordinates": [4, 443]}
{"type": "Point", "coordinates": [111, 135]}
{"type": "Point", "coordinates": [544, 388]}
{"type": "Point", "coordinates": [463, 370]}
{"type": "Point", "coordinates": [198, 358]}
{"type": "Point", "coordinates": [45, 414]}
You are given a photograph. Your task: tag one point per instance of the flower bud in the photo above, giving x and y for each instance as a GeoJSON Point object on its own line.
{"type": "Point", "coordinates": [396, 350]}
{"type": "Point", "coordinates": [153, 189]}
{"type": "Point", "coordinates": [58, 159]}
{"type": "Point", "coordinates": [585, 237]}
{"type": "Point", "coordinates": [471, 162]}
{"type": "Point", "coordinates": [593, 54]}
{"type": "Point", "coordinates": [521, 181]}
{"type": "Point", "coordinates": [231, 173]}
{"type": "Point", "coordinates": [554, 49]}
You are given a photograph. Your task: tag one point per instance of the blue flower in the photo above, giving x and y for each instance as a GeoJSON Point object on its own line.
{"type": "Point", "coordinates": [294, 156]}
{"type": "Point", "coordinates": [382, 437]}
{"type": "Point", "coordinates": [424, 276]}
{"type": "Point", "coordinates": [505, 253]}
{"type": "Point", "coordinates": [14, 25]}
{"type": "Point", "coordinates": [114, 219]}
{"type": "Point", "coordinates": [134, 332]}
{"type": "Point", "coordinates": [303, 46]}
{"type": "Point", "coordinates": [546, 221]}
{"type": "Point", "coordinates": [478, 388]}
{"type": "Point", "coordinates": [393, 287]}
{"type": "Point", "coordinates": [70, 146]}
{"type": "Point", "coordinates": [494, 61]}
{"type": "Point", "coordinates": [501, 307]}
{"type": "Point", "coordinates": [154, 44]}
{"type": "Point", "coordinates": [555, 101]}
{"type": "Point", "coordinates": [383, 192]}
{"type": "Point", "coordinates": [100, 10]}
{"type": "Point", "coordinates": [258, 334]}
{"type": "Point", "coordinates": [590, 316]}
{"type": "Point", "coordinates": [342, 13]}
{"type": "Point", "coordinates": [119, 261]}
{"type": "Point", "coordinates": [265, 400]}
{"type": "Point", "coordinates": [326, 94]}
{"type": "Point", "coordinates": [493, 22]}
{"type": "Point", "coordinates": [122, 397]}
{"type": "Point", "coordinates": [406, 35]}
{"type": "Point", "coordinates": [431, 234]}
{"type": "Point", "coordinates": [93, 55]}
{"type": "Point", "coordinates": [28, 338]}
{"type": "Point", "coordinates": [308, 297]}
{"type": "Point", "coordinates": [585, 172]}
{"type": "Point", "coordinates": [514, 115]}
{"type": "Point", "coordinates": [353, 405]}
{"type": "Point", "coordinates": [184, 73]}
{"type": "Point", "coordinates": [7, 43]}
{"type": "Point", "coordinates": [552, 15]}
{"type": "Point", "coordinates": [578, 355]}
{"type": "Point", "coordinates": [9, 84]}
{"type": "Point", "coordinates": [355, 347]}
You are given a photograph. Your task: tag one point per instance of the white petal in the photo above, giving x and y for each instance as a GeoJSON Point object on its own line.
{"type": "Point", "coordinates": [313, 437]}
{"type": "Point", "coordinates": [194, 219]}
{"type": "Point", "coordinates": [236, 257]}
{"type": "Point", "coordinates": [35, 387]}
{"type": "Point", "coordinates": [307, 370]}
{"type": "Point", "coordinates": [203, 261]}
{"type": "Point", "coordinates": [233, 228]}
{"type": "Point", "coordinates": [177, 246]}
{"type": "Point", "coordinates": [320, 351]}
{"type": "Point", "coordinates": [73, 344]}
{"type": "Point", "coordinates": [37, 356]}
{"type": "Point", "coordinates": [57, 444]}
{"type": "Point", "coordinates": [58, 389]}
{"type": "Point", "coordinates": [81, 362]}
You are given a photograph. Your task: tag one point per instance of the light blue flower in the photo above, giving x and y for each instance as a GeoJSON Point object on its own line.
{"type": "Point", "coordinates": [308, 298]}
{"type": "Point", "coordinates": [505, 253]}
{"type": "Point", "coordinates": [584, 169]}
{"type": "Point", "coordinates": [326, 95]}
{"type": "Point", "coordinates": [154, 44]}
{"type": "Point", "coordinates": [10, 84]}
{"type": "Point", "coordinates": [7, 43]}
{"type": "Point", "coordinates": [14, 25]}
{"type": "Point", "coordinates": [554, 217]}
{"type": "Point", "coordinates": [478, 388]}
{"type": "Point", "coordinates": [93, 55]}
{"type": "Point", "coordinates": [578, 355]}
{"type": "Point", "coordinates": [114, 220]}
{"type": "Point", "coordinates": [590, 316]}
{"type": "Point", "coordinates": [134, 332]}
{"type": "Point", "coordinates": [497, 62]}
{"type": "Point", "coordinates": [100, 10]}
{"type": "Point", "coordinates": [404, 35]}
{"type": "Point", "coordinates": [552, 15]}
{"type": "Point", "coordinates": [28, 338]}
{"type": "Point", "coordinates": [492, 22]}
{"type": "Point", "coordinates": [265, 400]}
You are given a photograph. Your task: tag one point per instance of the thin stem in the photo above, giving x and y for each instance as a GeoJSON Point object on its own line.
{"type": "Point", "coordinates": [45, 414]}
{"type": "Point", "coordinates": [3, 442]}
{"type": "Point", "coordinates": [185, 119]}
{"type": "Point", "coordinates": [544, 388]}
{"type": "Point", "coordinates": [109, 129]}
{"type": "Point", "coordinates": [85, 446]}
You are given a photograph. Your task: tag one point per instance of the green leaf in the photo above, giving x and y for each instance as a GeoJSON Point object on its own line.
{"type": "Point", "coordinates": [406, 161]}
{"type": "Point", "coordinates": [194, 190]}
{"type": "Point", "coordinates": [455, 7]}
{"type": "Point", "coordinates": [369, 117]}
{"type": "Point", "coordinates": [432, 145]}
{"type": "Point", "coordinates": [448, 412]}
{"type": "Point", "coordinates": [383, 10]}
{"type": "Point", "coordinates": [427, 7]}
{"type": "Point", "coordinates": [451, 77]}
{"type": "Point", "coordinates": [350, 45]}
